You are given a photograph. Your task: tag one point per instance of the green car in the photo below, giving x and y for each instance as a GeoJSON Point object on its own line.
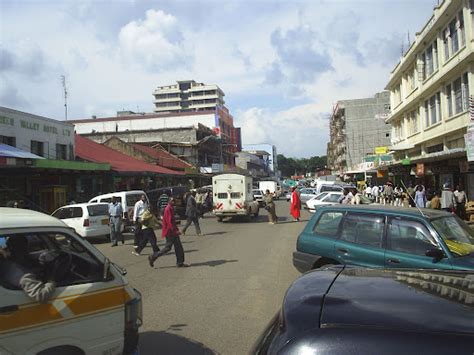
{"type": "Point", "coordinates": [385, 237]}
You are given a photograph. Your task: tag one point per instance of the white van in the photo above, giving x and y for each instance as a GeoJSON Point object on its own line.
{"type": "Point", "coordinates": [92, 309]}
{"type": "Point", "coordinates": [272, 186]}
{"type": "Point", "coordinates": [87, 219]}
{"type": "Point", "coordinates": [126, 198]}
{"type": "Point", "coordinates": [232, 196]}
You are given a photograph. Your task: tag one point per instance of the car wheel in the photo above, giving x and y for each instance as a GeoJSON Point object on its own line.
{"type": "Point", "coordinates": [219, 219]}
{"type": "Point", "coordinates": [256, 213]}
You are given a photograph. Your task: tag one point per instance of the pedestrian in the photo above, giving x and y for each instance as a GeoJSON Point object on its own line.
{"type": "Point", "coordinates": [115, 221]}
{"type": "Point", "coordinates": [270, 207]}
{"type": "Point", "coordinates": [461, 199]}
{"type": "Point", "coordinates": [192, 215]}
{"type": "Point", "coordinates": [346, 197]}
{"type": "Point", "coordinates": [208, 202]}
{"type": "Point", "coordinates": [420, 197]}
{"type": "Point", "coordinates": [435, 201]}
{"type": "Point", "coordinates": [447, 199]}
{"type": "Point", "coordinates": [368, 191]}
{"type": "Point", "coordinates": [171, 232]}
{"type": "Point", "coordinates": [375, 193]}
{"type": "Point", "coordinates": [148, 224]}
{"type": "Point", "coordinates": [162, 203]}
{"type": "Point", "coordinates": [355, 200]}
{"type": "Point", "coordinates": [140, 206]}
{"type": "Point", "coordinates": [398, 195]}
{"type": "Point", "coordinates": [411, 195]}
{"type": "Point", "coordinates": [295, 205]}
{"type": "Point", "coordinates": [388, 192]}
{"type": "Point", "coordinates": [199, 202]}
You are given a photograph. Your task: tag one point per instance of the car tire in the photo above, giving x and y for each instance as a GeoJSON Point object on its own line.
{"type": "Point", "coordinates": [255, 215]}
{"type": "Point", "coordinates": [219, 219]}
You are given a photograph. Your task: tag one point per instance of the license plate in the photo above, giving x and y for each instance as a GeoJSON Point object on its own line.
{"type": "Point", "coordinates": [105, 221]}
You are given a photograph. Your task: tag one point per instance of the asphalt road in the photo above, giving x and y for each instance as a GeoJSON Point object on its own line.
{"type": "Point", "coordinates": [238, 274]}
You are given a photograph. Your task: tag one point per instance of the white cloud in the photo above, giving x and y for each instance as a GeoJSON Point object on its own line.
{"type": "Point", "coordinates": [156, 42]}
{"type": "Point", "coordinates": [299, 131]}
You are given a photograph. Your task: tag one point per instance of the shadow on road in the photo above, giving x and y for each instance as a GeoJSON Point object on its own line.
{"type": "Point", "coordinates": [167, 343]}
{"type": "Point", "coordinates": [215, 233]}
{"type": "Point", "coordinates": [213, 263]}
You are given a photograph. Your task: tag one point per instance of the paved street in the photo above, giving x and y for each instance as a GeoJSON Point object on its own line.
{"type": "Point", "coordinates": [239, 273]}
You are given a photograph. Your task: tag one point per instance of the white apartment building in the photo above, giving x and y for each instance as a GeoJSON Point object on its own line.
{"type": "Point", "coordinates": [187, 95]}
{"type": "Point", "coordinates": [429, 97]}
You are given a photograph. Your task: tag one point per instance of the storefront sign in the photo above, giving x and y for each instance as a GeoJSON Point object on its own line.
{"type": "Point", "coordinates": [406, 161]}
{"type": "Point", "coordinates": [469, 141]}
{"type": "Point", "coordinates": [420, 169]}
{"type": "Point", "coordinates": [29, 125]}
{"type": "Point", "coordinates": [381, 150]}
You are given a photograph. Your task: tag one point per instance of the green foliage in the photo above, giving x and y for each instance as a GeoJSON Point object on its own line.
{"type": "Point", "coordinates": [292, 166]}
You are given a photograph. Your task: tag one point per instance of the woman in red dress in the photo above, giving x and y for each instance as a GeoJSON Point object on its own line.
{"type": "Point", "coordinates": [295, 206]}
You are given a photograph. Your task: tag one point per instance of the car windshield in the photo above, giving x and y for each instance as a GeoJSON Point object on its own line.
{"type": "Point", "coordinates": [457, 235]}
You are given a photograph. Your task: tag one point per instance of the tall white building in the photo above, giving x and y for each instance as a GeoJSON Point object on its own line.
{"type": "Point", "coordinates": [187, 95]}
{"type": "Point", "coordinates": [430, 89]}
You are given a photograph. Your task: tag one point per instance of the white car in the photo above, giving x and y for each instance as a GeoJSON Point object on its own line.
{"type": "Point", "coordinates": [88, 219]}
{"type": "Point", "coordinates": [258, 196]}
{"type": "Point", "coordinates": [324, 198]}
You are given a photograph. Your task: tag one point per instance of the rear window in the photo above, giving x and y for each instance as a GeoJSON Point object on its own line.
{"type": "Point", "coordinates": [235, 195]}
{"type": "Point", "coordinates": [328, 224]}
{"type": "Point", "coordinates": [330, 188]}
{"type": "Point", "coordinates": [132, 199]}
{"type": "Point", "coordinates": [98, 210]}
{"type": "Point", "coordinates": [68, 212]}
{"type": "Point", "coordinates": [222, 195]}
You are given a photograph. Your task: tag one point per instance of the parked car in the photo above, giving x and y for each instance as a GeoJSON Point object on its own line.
{"type": "Point", "coordinates": [92, 309]}
{"type": "Point", "coordinates": [87, 219]}
{"type": "Point", "coordinates": [177, 192]}
{"type": "Point", "coordinates": [323, 199]}
{"type": "Point", "coordinates": [351, 310]}
{"type": "Point", "coordinates": [383, 236]}
{"type": "Point", "coordinates": [307, 194]}
{"type": "Point", "coordinates": [258, 196]}
{"type": "Point", "coordinates": [126, 198]}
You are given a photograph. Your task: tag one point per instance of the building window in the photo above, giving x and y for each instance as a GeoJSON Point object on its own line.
{"type": "Point", "coordinates": [8, 140]}
{"type": "Point", "coordinates": [37, 148]}
{"type": "Point", "coordinates": [61, 151]}
{"type": "Point", "coordinates": [454, 37]}
{"type": "Point", "coordinates": [433, 110]}
{"type": "Point", "coordinates": [430, 60]}
{"type": "Point", "coordinates": [413, 126]}
{"type": "Point", "coordinates": [457, 95]}
{"type": "Point", "coordinates": [435, 148]}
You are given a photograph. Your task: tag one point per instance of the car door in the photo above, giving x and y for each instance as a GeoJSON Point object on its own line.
{"type": "Point", "coordinates": [407, 242]}
{"type": "Point", "coordinates": [320, 234]}
{"type": "Point", "coordinates": [362, 240]}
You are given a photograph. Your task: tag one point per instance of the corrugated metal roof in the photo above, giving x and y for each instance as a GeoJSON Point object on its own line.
{"type": "Point", "coordinates": [12, 152]}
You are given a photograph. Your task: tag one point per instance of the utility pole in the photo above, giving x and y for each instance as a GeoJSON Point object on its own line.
{"type": "Point", "coordinates": [63, 81]}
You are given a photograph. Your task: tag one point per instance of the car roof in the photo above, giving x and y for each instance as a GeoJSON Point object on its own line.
{"type": "Point", "coordinates": [23, 218]}
{"type": "Point", "coordinates": [403, 211]}
{"type": "Point", "coordinates": [132, 192]}
{"type": "Point", "coordinates": [85, 204]}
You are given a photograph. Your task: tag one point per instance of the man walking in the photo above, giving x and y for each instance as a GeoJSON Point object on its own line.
{"type": "Point", "coordinates": [140, 206]}
{"type": "Point", "coordinates": [171, 232]}
{"type": "Point", "coordinates": [192, 214]}
{"type": "Point", "coordinates": [461, 199]}
{"type": "Point", "coordinates": [447, 198]}
{"type": "Point", "coordinates": [148, 223]}
{"type": "Point", "coordinates": [270, 207]}
{"type": "Point", "coordinates": [115, 221]}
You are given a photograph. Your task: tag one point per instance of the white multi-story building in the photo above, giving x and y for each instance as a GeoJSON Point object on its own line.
{"type": "Point", "coordinates": [187, 95]}
{"type": "Point", "coordinates": [430, 89]}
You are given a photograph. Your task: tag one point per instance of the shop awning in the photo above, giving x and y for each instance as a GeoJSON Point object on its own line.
{"type": "Point", "coordinates": [71, 165]}
{"type": "Point", "coordinates": [8, 151]}
{"type": "Point", "coordinates": [89, 150]}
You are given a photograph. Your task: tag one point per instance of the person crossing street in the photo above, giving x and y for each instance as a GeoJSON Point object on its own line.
{"type": "Point", "coordinates": [140, 206]}
{"type": "Point", "coordinates": [115, 221]}
{"type": "Point", "coordinates": [192, 215]}
{"type": "Point", "coordinates": [171, 232]}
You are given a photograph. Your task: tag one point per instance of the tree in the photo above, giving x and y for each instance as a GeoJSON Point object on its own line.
{"type": "Point", "coordinates": [291, 166]}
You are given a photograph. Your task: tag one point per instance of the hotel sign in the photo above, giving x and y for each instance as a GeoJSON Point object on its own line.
{"type": "Point", "coordinates": [34, 126]}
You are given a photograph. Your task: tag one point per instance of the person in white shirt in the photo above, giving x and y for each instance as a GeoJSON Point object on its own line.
{"type": "Point", "coordinates": [140, 206]}
{"type": "Point", "coordinates": [460, 198]}
{"type": "Point", "coordinates": [375, 193]}
{"type": "Point", "coordinates": [368, 191]}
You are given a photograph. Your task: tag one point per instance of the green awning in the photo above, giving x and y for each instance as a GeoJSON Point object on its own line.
{"type": "Point", "coordinates": [70, 165]}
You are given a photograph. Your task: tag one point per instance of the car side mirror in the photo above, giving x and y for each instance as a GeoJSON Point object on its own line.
{"type": "Point", "coordinates": [435, 253]}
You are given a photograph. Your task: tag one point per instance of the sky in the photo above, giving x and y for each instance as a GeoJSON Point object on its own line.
{"type": "Point", "coordinates": [281, 64]}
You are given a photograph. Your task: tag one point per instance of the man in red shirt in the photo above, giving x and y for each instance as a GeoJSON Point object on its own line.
{"type": "Point", "coordinates": [171, 232]}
